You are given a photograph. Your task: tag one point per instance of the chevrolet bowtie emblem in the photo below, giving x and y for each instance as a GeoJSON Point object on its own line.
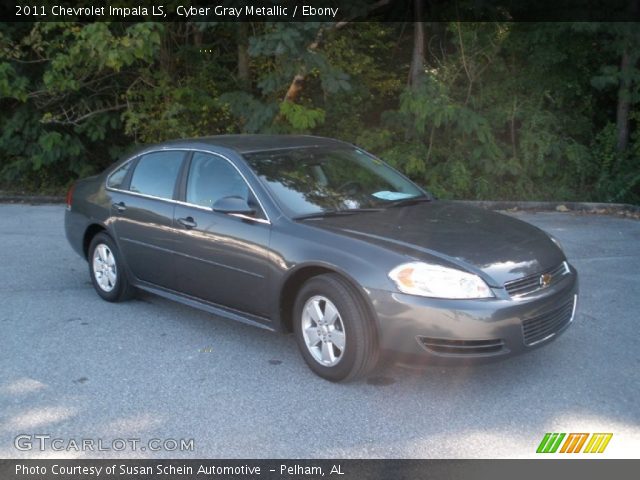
{"type": "Point", "coordinates": [545, 280]}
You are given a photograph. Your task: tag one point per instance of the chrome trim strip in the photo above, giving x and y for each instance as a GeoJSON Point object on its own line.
{"type": "Point", "coordinates": [541, 340]}
{"type": "Point", "coordinates": [239, 215]}
{"type": "Point", "coordinates": [266, 221]}
{"type": "Point", "coordinates": [247, 217]}
{"type": "Point", "coordinates": [199, 207]}
{"type": "Point", "coordinates": [143, 195]}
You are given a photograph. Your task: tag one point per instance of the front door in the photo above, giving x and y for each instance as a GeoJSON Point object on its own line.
{"type": "Point", "coordinates": [221, 258]}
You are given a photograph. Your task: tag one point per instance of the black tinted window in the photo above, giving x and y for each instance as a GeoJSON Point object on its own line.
{"type": "Point", "coordinates": [212, 178]}
{"type": "Point", "coordinates": [117, 178]}
{"type": "Point", "coordinates": [156, 174]}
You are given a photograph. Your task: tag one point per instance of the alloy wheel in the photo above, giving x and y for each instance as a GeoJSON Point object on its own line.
{"type": "Point", "coordinates": [104, 267]}
{"type": "Point", "coordinates": [323, 331]}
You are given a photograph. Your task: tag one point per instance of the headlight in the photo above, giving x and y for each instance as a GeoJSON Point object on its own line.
{"type": "Point", "coordinates": [557, 242]}
{"type": "Point", "coordinates": [417, 278]}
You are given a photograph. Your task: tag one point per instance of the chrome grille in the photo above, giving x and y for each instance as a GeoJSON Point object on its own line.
{"type": "Point", "coordinates": [545, 326]}
{"type": "Point", "coordinates": [531, 284]}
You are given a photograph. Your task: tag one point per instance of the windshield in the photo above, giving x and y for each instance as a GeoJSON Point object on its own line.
{"type": "Point", "coordinates": [307, 181]}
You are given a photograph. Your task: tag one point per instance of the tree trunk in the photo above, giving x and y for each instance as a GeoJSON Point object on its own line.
{"type": "Point", "coordinates": [297, 84]}
{"type": "Point", "coordinates": [197, 36]}
{"type": "Point", "coordinates": [416, 72]}
{"type": "Point", "coordinates": [622, 114]}
{"type": "Point", "coordinates": [624, 92]}
{"type": "Point", "coordinates": [243, 55]}
{"type": "Point", "coordinates": [294, 88]}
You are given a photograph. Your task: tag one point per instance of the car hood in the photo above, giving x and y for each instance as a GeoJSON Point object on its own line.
{"type": "Point", "coordinates": [498, 247]}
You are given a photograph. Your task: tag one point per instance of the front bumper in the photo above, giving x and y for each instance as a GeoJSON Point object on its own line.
{"type": "Point", "coordinates": [441, 331]}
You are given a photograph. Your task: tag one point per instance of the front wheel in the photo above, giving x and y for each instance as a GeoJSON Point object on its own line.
{"type": "Point", "coordinates": [107, 273]}
{"type": "Point", "coordinates": [332, 329]}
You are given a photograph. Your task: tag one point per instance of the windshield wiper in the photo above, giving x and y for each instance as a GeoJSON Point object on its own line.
{"type": "Point", "coordinates": [408, 201]}
{"type": "Point", "coordinates": [336, 213]}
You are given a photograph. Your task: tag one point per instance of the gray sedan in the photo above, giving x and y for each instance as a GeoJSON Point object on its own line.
{"type": "Point", "coordinates": [318, 237]}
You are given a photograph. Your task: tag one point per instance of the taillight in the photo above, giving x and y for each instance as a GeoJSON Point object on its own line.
{"type": "Point", "coordinates": [69, 198]}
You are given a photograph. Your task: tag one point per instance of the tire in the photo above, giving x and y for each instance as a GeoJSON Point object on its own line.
{"type": "Point", "coordinates": [320, 334]}
{"type": "Point", "coordinates": [107, 271]}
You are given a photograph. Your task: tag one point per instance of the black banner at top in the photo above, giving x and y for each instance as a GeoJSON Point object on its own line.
{"type": "Point", "coordinates": [321, 10]}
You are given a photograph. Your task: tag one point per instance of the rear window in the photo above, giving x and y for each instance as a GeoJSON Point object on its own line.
{"type": "Point", "coordinates": [156, 174]}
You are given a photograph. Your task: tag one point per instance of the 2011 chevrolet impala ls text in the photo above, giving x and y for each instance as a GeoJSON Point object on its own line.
{"type": "Point", "coordinates": [318, 237]}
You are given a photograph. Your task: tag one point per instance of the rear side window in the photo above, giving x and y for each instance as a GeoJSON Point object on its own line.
{"type": "Point", "coordinates": [156, 174]}
{"type": "Point", "coordinates": [116, 179]}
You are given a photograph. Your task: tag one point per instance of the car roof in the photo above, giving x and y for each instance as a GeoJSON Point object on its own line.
{"type": "Point", "coordinates": [255, 143]}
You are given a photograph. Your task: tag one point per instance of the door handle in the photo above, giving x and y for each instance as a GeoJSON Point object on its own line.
{"type": "Point", "coordinates": [187, 223]}
{"type": "Point", "coordinates": [120, 206]}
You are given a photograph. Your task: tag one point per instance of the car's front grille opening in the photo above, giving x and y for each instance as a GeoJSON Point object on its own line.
{"type": "Point", "coordinates": [533, 283]}
{"type": "Point", "coordinates": [545, 326]}
{"type": "Point", "coordinates": [461, 347]}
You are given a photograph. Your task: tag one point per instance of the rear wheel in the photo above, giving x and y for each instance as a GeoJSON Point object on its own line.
{"type": "Point", "coordinates": [107, 273]}
{"type": "Point", "coordinates": [332, 329]}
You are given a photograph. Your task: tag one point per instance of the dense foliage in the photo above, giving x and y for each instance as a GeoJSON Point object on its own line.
{"type": "Point", "coordinates": [492, 111]}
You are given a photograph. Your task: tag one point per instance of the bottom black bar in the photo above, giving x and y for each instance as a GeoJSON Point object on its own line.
{"type": "Point", "coordinates": [578, 469]}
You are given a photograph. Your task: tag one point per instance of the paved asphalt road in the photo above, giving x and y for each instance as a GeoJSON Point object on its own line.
{"type": "Point", "coordinates": [73, 366]}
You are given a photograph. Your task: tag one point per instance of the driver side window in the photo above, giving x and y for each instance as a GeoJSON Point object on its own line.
{"type": "Point", "coordinates": [212, 178]}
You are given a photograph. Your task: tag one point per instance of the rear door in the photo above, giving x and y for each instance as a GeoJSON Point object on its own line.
{"type": "Point", "coordinates": [221, 258]}
{"type": "Point", "coordinates": [143, 209]}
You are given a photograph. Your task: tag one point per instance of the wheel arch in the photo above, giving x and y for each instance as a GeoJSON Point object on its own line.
{"type": "Point", "coordinates": [296, 279]}
{"type": "Point", "coordinates": [90, 232]}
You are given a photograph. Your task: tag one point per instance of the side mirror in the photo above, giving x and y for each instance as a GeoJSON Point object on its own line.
{"type": "Point", "coordinates": [233, 205]}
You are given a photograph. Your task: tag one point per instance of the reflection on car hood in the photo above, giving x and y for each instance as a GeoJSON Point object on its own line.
{"type": "Point", "coordinates": [501, 246]}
